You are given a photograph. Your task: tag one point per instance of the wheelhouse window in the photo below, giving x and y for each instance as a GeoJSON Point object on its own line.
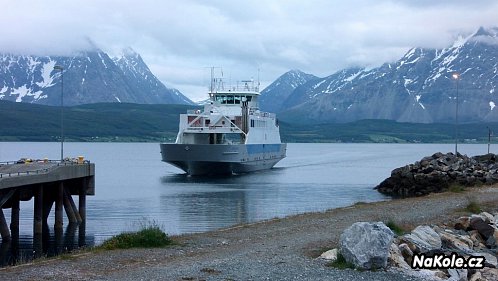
{"type": "Point", "coordinates": [231, 99]}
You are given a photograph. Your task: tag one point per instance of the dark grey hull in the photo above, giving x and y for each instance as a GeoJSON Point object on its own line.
{"type": "Point", "coordinates": [216, 159]}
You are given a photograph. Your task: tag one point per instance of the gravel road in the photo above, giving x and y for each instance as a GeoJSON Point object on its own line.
{"type": "Point", "coordinates": [279, 249]}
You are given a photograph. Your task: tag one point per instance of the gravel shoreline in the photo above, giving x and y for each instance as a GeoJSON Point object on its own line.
{"type": "Point", "coordinates": [278, 249]}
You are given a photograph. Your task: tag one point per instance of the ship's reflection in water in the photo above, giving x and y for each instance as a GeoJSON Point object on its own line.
{"type": "Point", "coordinates": [53, 242]}
{"type": "Point", "coordinates": [203, 204]}
{"type": "Point", "coordinates": [207, 203]}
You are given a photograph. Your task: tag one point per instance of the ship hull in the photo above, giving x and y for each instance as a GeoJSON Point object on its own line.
{"type": "Point", "coordinates": [222, 159]}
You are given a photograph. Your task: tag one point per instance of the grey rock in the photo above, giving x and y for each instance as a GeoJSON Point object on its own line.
{"type": "Point", "coordinates": [490, 274]}
{"type": "Point", "coordinates": [366, 244]}
{"type": "Point", "coordinates": [406, 251]}
{"type": "Point", "coordinates": [490, 260]}
{"type": "Point", "coordinates": [330, 255]}
{"type": "Point", "coordinates": [457, 274]}
{"type": "Point", "coordinates": [396, 258]}
{"type": "Point", "coordinates": [482, 227]}
{"type": "Point", "coordinates": [424, 238]}
{"type": "Point", "coordinates": [458, 243]}
{"type": "Point", "coordinates": [488, 218]}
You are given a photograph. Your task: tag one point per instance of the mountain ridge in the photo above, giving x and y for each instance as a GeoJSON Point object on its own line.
{"type": "Point", "coordinates": [89, 77]}
{"type": "Point", "coordinates": [417, 88]}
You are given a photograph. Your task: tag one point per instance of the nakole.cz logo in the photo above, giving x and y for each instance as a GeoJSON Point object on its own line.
{"type": "Point", "coordinates": [440, 261]}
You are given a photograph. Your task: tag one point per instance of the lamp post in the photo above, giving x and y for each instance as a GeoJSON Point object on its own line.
{"type": "Point", "coordinates": [489, 138]}
{"type": "Point", "coordinates": [59, 67]}
{"type": "Point", "coordinates": [456, 76]}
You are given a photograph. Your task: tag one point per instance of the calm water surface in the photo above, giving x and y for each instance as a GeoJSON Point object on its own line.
{"type": "Point", "coordinates": [133, 185]}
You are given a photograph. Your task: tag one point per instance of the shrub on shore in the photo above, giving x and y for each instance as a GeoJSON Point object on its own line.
{"type": "Point", "coordinates": [341, 263]}
{"type": "Point", "coordinates": [473, 207]}
{"type": "Point", "coordinates": [456, 188]}
{"type": "Point", "coordinates": [398, 230]}
{"type": "Point", "coordinates": [149, 236]}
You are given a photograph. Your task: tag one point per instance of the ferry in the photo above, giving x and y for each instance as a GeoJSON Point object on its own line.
{"type": "Point", "coordinates": [230, 135]}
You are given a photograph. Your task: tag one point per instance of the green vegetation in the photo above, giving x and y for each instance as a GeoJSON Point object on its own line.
{"type": "Point", "coordinates": [149, 236]}
{"type": "Point", "coordinates": [92, 122]}
{"type": "Point", "coordinates": [398, 230]}
{"type": "Point", "coordinates": [341, 263]}
{"type": "Point", "coordinates": [384, 131]}
{"type": "Point", "coordinates": [473, 207]}
{"type": "Point", "coordinates": [122, 122]}
{"type": "Point", "coordinates": [456, 188]}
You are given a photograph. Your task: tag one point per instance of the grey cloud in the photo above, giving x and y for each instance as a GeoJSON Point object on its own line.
{"type": "Point", "coordinates": [318, 36]}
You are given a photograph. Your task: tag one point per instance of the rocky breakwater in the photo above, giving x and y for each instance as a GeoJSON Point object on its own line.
{"type": "Point", "coordinates": [437, 173]}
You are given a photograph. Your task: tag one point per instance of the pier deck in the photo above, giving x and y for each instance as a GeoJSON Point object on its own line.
{"type": "Point", "coordinates": [49, 183]}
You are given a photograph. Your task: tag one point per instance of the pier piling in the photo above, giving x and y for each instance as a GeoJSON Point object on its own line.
{"type": "Point", "coordinates": [14, 217]}
{"type": "Point", "coordinates": [68, 207]}
{"type": "Point", "coordinates": [38, 211]}
{"type": "Point", "coordinates": [59, 201]}
{"type": "Point", "coordinates": [82, 201]}
{"type": "Point", "coordinates": [4, 229]}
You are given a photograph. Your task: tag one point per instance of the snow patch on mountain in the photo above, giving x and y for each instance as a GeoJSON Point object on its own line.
{"type": "Point", "coordinates": [23, 91]}
{"type": "Point", "coordinates": [46, 71]}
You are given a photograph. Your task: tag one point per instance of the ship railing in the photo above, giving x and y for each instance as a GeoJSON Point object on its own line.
{"type": "Point", "coordinates": [240, 86]}
{"type": "Point", "coordinates": [221, 129]}
{"type": "Point", "coordinates": [264, 114]}
{"type": "Point", "coordinates": [198, 125]}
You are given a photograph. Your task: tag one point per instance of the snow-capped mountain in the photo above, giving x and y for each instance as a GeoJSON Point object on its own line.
{"type": "Point", "coordinates": [273, 97]}
{"type": "Point", "coordinates": [417, 88]}
{"type": "Point", "coordinates": [132, 65]}
{"type": "Point", "coordinates": [88, 77]}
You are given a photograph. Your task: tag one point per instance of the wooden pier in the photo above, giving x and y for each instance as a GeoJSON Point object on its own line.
{"type": "Point", "coordinates": [49, 183]}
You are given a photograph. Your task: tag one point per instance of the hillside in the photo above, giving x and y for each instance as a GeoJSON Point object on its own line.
{"type": "Point", "coordinates": [157, 123]}
{"type": "Point", "coordinates": [92, 122]}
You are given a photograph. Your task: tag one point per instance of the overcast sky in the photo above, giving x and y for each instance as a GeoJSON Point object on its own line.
{"type": "Point", "coordinates": [180, 39]}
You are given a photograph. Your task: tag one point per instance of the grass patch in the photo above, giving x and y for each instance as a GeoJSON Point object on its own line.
{"type": "Point", "coordinates": [456, 188]}
{"type": "Point", "coordinates": [398, 230]}
{"type": "Point", "coordinates": [149, 236]}
{"type": "Point", "coordinates": [473, 207]}
{"type": "Point", "coordinates": [341, 263]}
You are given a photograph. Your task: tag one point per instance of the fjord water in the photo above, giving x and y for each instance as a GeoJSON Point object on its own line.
{"type": "Point", "coordinates": [133, 185]}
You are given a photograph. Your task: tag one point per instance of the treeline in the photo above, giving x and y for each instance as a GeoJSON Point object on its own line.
{"type": "Point", "coordinates": [387, 131]}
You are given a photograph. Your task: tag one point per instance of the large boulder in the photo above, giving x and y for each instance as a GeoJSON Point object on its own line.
{"type": "Point", "coordinates": [366, 244]}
